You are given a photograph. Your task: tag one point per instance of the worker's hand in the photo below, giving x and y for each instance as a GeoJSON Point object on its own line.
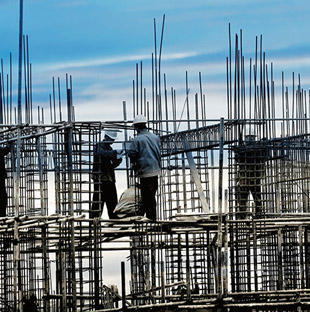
{"type": "Point", "coordinates": [120, 153]}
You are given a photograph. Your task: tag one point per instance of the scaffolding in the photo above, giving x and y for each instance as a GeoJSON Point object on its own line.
{"type": "Point", "coordinates": [233, 227]}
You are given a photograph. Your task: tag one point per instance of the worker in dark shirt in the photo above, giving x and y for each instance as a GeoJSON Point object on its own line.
{"type": "Point", "coordinates": [3, 195]}
{"type": "Point", "coordinates": [105, 161]}
{"type": "Point", "coordinates": [250, 158]}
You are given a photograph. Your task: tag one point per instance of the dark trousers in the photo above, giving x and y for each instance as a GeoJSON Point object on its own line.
{"type": "Point", "coordinates": [104, 192]}
{"type": "Point", "coordinates": [3, 198]}
{"type": "Point", "coordinates": [149, 187]}
{"type": "Point", "coordinates": [254, 186]}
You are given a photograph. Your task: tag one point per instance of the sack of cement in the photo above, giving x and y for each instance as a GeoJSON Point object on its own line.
{"type": "Point", "coordinates": [129, 204]}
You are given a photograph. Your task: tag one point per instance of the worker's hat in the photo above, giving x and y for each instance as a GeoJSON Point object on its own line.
{"type": "Point", "coordinates": [112, 134]}
{"type": "Point", "coordinates": [139, 119]}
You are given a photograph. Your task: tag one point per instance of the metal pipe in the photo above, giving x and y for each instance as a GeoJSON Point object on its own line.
{"type": "Point", "coordinates": [124, 307]}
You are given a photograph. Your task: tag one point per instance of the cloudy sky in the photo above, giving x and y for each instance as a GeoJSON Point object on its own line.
{"type": "Point", "coordinates": [99, 43]}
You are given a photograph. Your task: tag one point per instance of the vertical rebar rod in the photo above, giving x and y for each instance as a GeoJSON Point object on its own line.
{"type": "Point", "coordinates": [166, 104]}
{"type": "Point", "coordinates": [230, 89]}
{"type": "Point", "coordinates": [17, 286]}
{"type": "Point", "coordinates": [188, 268]}
{"type": "Point", "coordinates": [159, 74]}
{"type": "Point", "coordinates": [220, 205]}
{"type": "Point", "coordinates": [227, 89]}
{"type": "Point", "coordinates": [124, 308]}
{"type": "Point", "coordinates": [141, 88]}
{"type": "Point", "coordinates": [28, 81]}
{"type": "Point", "coordinates": [201, 101]}
{"type": "Point", "coordinates": [133, 100]}
{"type": "Point", "coordinates": [250, 93]}
{"type": "Point", "coordinates": [25, 77]}
{"type": "Point", "coordinates": [45, 268]}
{"type": "Point", "coordinates": [163, 286]}
{"type": "Point", "coordinates": [30, 86]}
{"type": "Point", "coordinates": [1, 104]}
{"type": "Point", "coordinates": [11, 79]}
{"type": "Point", "coordinates": [2, 90]}
{"type": "Point", "coordinates": [54, 101]}
{"type": "Point", "coordinates": [7, 100]}
{"type": "Point", "coordinates": [59, 100]}
{"type": "Point", "coordinates": [126, 138]}
{"type": "Point", "coordinates": [137, 88]}
{"type": "Point", "coordinates": [70, 195]}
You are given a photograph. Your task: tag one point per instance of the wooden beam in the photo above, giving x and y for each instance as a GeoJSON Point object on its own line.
{"type": "Point", "coordinates": [194, 172]}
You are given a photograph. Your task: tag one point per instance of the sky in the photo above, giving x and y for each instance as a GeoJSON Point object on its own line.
{"type": "Point", "coordinates": [99, 42]}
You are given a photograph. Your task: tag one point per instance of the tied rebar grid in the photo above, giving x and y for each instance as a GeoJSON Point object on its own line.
{"type": "Point", "coordinates": [171, 262]}
{"type": "Point", "coordinates": [233, 199]}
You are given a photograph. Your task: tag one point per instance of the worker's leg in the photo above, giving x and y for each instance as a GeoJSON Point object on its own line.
{"type": "Point", "coordinates": [97, 205]}
{"type": "Point", "coordinates": [257, 196]}
{"type": "Point", "coordinates": [109, 196]}
{"type": "Point", "coordinates": [242, 200]}
{"type": "Point", "coordinates": [3, 198]}
{"type": "Point", "coordinates": [149, 187]}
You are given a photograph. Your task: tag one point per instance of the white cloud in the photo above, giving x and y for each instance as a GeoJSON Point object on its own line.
{"type": "Point", "coordinates": [114, 60]}
{"type": "Point", "coordinates": [99, 110]}
{"type": "Point", "coordinates": [293, 62]}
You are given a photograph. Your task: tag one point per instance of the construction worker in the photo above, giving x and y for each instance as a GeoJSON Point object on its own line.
{"type": "Point", "coordinates": [3, 195]}
{"type": "Point", "coordinates": [105, 161]}
{"type": "Point", "coordinates": [144, 154]}
{"type": "Point", "coordinates": [250, 158]}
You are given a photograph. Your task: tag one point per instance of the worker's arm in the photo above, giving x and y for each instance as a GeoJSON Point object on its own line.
{"type": "Point", "coordinates": [134, 151]}
{"type": "Point", "coordinates": [102, 151]}
{"type": "Point", "coordinates": [116, 162]}
{"type": "Point", "coordinates": [239, 155]}
{"type": "Point", "coordinates": [99, 154]}
{"type": "Point", "coordinates": [107, 154]}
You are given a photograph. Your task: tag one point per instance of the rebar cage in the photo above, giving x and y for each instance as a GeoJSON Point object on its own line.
{"type": "Point", "coordinates": [232, 203]}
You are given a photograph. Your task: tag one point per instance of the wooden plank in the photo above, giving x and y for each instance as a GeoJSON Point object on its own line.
{"type": "Point", "coordinates": [196, 178]}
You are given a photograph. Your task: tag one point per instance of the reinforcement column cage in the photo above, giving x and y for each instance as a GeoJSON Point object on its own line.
{"type": "Point", "coordinates": [49, 171]}
{"type": "Point", "coordinates": [173, 259]}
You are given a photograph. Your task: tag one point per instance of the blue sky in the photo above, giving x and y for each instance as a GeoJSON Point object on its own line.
{"type": "Point", "coordinates": [100, 41]}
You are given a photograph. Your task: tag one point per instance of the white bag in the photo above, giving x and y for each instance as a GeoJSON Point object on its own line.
{"type": "Point", "coordinates": [129, 204]}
